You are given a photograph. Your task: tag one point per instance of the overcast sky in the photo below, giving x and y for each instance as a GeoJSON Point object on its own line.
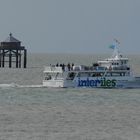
{"type": "Point", "coordinates": [72, 26]}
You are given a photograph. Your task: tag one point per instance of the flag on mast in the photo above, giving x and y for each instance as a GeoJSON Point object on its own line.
{"type": "Point", "coordinates": [115, 45]}
{"type": "Point", "coordinates": [112, 47]}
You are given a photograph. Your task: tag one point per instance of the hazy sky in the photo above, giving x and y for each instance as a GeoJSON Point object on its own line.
{"type": "Point", "coordinates": [72, 26]}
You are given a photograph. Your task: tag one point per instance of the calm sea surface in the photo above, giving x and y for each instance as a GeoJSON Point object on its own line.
{"type": "Point", "coordinates": [30, 112]}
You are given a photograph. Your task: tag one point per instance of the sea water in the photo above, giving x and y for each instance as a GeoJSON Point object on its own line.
{"type": "Point", "coordinates": [29, 111]}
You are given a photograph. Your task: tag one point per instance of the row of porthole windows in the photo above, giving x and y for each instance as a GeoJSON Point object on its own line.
{"type": "Point", "coordinates": [122, 62]}
{"type": "Point", "coordinates": [115, 63]}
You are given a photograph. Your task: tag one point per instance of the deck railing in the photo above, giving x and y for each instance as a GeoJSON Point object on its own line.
{"type": "Point", "coordinates": [53, 69]}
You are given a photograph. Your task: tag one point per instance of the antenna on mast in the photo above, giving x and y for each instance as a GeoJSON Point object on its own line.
{"type": "Point", "coordinates": [117, 42]}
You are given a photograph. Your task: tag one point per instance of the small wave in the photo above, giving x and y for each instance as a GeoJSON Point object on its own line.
{"type": "Point", "coordinates": [13, 85]}
{"type": "Point", "coordinates": [8, 85]}
{"type": "Point", "coordinates": [30, 86]}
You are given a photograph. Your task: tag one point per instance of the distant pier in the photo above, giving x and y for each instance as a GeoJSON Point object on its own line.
{"type": "Point", "coordinates": [12, 54]}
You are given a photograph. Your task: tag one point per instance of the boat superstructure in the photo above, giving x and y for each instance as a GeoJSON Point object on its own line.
{"type": "Point", "coordinates": [113, 72]}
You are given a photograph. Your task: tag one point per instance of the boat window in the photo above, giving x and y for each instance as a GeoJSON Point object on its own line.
{"type": "Point", "coordinates": [123, 73]}
{"type": "Point", "coordinates": [47, 76]}
{"type": "Point", "coordinates": [59, 75]}
{"type": "Point", "coordinates": [83, 74]}
{"type": "Point", "coordinates": [115, 74]}
{"type": "Point", "coordinates": [115, 63]}
{"type": "Point", "coordinates": [97, 74]}
{"type": "Point", "coordinates": [124, 62]}
{"type": "Point", "coordinates": [108, 74]}
{"type": "Point", "coordinates": [90, 74]}
{"type": "Point", "coordinates": [71, 76]}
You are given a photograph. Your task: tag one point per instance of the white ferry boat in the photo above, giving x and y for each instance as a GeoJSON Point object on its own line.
{"type": "Point", "coordinates": [113, 72]}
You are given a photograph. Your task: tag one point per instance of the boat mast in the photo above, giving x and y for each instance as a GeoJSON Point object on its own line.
{"type": "Point", "coordinates": [116, 52]}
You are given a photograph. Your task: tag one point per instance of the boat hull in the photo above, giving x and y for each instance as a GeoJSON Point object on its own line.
{"type": "Point", "coordinates": [94, 83]}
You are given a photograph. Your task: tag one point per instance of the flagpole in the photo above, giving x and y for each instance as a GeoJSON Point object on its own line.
{"type": "Point", "coordinates": [116, 50]}
{"type": "Point", "coordinates": [117, 42]}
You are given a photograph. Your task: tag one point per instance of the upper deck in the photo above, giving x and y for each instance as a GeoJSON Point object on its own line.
{"type": "Point", "coordinates": [116, 63]}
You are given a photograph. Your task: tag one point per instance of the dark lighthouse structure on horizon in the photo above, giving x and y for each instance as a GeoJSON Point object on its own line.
{"type": "Point", "coordinates": [12, 54]}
